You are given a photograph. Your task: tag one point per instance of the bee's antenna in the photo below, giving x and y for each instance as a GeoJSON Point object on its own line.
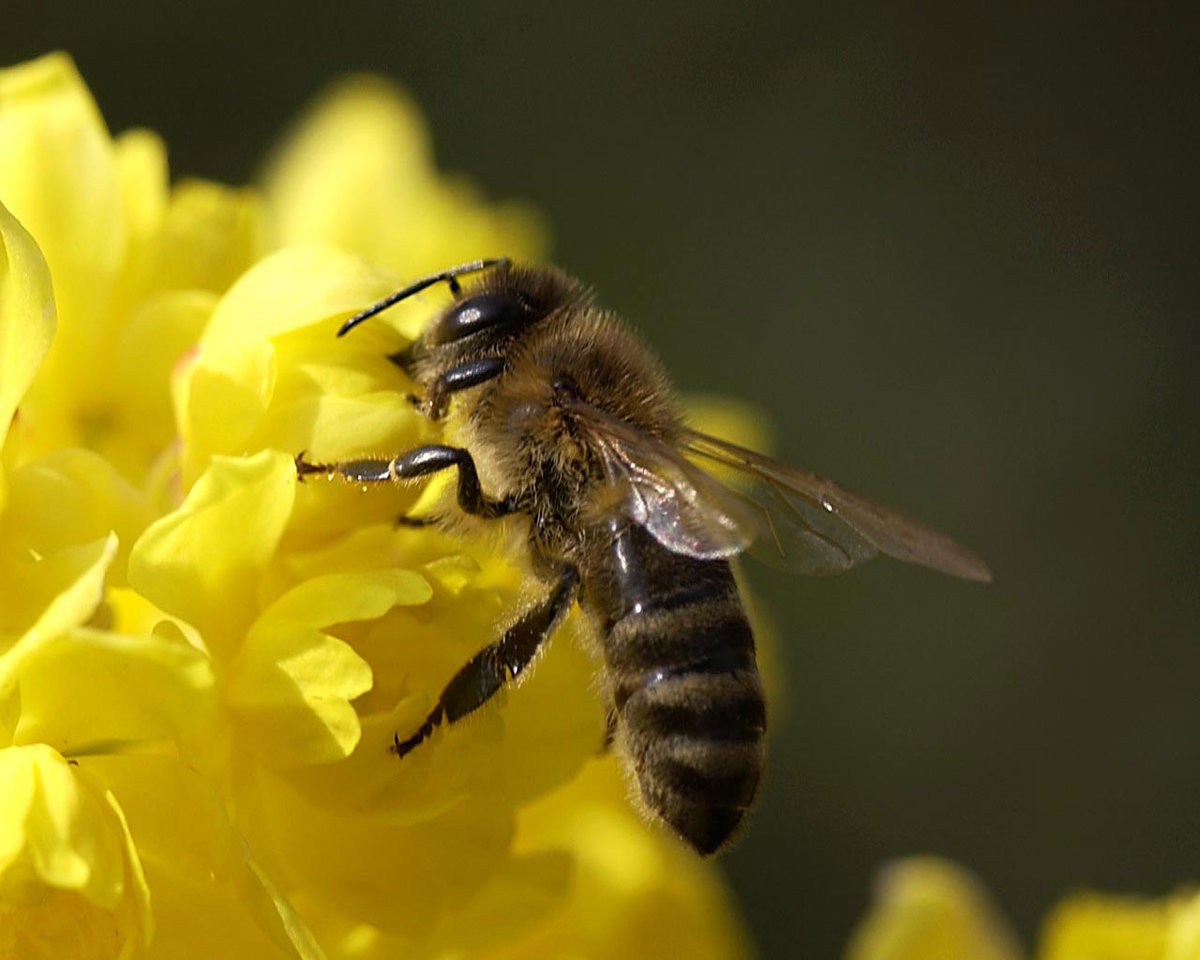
{"type": "Point", "coordinates": [449, 276]}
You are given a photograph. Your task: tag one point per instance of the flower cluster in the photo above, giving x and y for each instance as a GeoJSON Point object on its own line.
{"type": "Point", "coordinates": [202, 662]}
{"type": "Point", "coordinates": [928, 909]}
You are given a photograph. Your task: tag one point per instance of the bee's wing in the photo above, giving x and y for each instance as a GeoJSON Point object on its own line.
{"type": "Point", "coordinates": [689, 511]}
{"type": "Point", "coordinates": [816, 526]}
{"type": "Point", "coordinates": [791, 517]}
{"type": "Point", "coordinates": [681, 506]}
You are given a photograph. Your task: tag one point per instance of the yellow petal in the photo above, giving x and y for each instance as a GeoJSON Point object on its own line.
{"type": "Point", "coordinates": [290, 290]}
{"type": "Point", "coordinates": [59, 828]}
{"type": "Point", "coordinates": [510, 909]}
{"type": "Point", "coordinates": [291, 690]}
{"type": "Point", "coordinates": [208, 236]}
{"type": "Point", "coordinates": [137, 891]}
{"type": "Point", "coordinates": [142, 174]}
{"type": "Point", "coordinates": [631, 884]}
{"type": "Point", "coordinates": [524, 893]}
{"type": "Point", "coordinates": [1106, 928]}
{"type": "Point", "coordinates": [27, 317]}
{"type": "Point", "coordinates": [156, 336]}
{"type": "Point", "coordinates": [72, 581]}
{"type": "Point", "coordinates": [202, 563]}
{"type": "Point", "coordinates": [58, 176]}
{"type": "Point", "coordinates": [89, 690]}
{"type": "Point", "coordinates": [208, 891]}
{"type": "Point", "coordinates": [62, 925]}
{"type": "Point", "coordinates": [379, 194]}
{"type": "Point", "coordinates": [540, 756]}
{"type": "Point", "coordinates": [10, 710]}
{"type": "Point", "coordinates": [1183, 937]}
{"type": "Point", "coordinates": [291, 686]}
{"type": "Point", "coordinates": [343, 598]}
{"type": "Point", "coordinates": [71, 882]}
{"type": "Point", "coordinates": [70, 497]}
{"type": "Point", "coordinates": [929, 909]}
{"type": "Point", "coordinates": [403, 878]}
{"type": "Point", "coordinates": [224, 395]}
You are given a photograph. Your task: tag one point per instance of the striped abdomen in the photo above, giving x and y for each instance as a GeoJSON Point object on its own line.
{"type": "Point", "coordinates": [680, 659]}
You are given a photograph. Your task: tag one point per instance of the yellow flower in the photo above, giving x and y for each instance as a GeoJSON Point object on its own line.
{"type": "Point", "coordinates": [136, 265]}
{"type": "Point", "coordinates": [109, 842]}
{"type": "Point", "coordinates": [70, 881]}
{"type": "Point", "coordinates": [926, 909]}
{"type": "Point", "coordinates": [1123, 928]}
{"type": "Point", "coordinates": [358, 174]}
{"type": "Point", "coordinates": [202, 661]}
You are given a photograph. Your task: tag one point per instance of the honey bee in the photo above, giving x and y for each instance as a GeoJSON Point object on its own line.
{"type": "Point", "coordinates": [570, 425]}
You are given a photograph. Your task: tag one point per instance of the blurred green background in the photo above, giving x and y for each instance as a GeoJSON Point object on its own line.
{"type": "Point", "coordinates": [953, 254]}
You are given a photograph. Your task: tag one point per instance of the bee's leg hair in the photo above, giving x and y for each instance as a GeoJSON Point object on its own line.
{"type": "Point", "coordinates": [610, 731]}
{"type": "Point", "coordinates": [405, 357]}
{"type": "Point", "coordinates": [486, 672]}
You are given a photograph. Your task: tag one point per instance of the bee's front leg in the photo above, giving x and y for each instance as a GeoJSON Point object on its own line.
{"type": "Point", "coordinates": [462, 377]}
{"type": "Point", "coordinates": [416, 463]}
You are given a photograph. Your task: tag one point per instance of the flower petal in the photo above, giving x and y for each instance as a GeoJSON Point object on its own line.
{"type": "Point", "coordinates": [225, 394]}
{"type": "Point", "coordinates": [59, 177]}
{"type": "Point", "coordinates": [70, 497]}
{"type": "Point", "coordinates": [1183, 937]}
{"type": "Point", "coordinates": [71, 882]}
{"type": "Point", "coordinates": [402, 878]}
{"type": "Point", "coordinates": [343, 598]}
{"type": "Point", "coordinates": [88, 690]}
{"type": "Point", "coordinates": [208, 236]}
{"type": "Point", "coordinates": [630, 885]}
{"type": "Point", "coordinates": [291, 690]}
{"type": "Point", "coordinates": [539, 756]}
{"type": "Point", "coordinates": [379, 194]}
{"type": "Point", "coordinates": [72, 583]}
{"type": "Point", "coordinates": [144, 181]}
{"type": "Point", "coordinates": [929, 909]}
{"type": "Point", "coordinates": [202, 563]}
{"type": "Point", "coordinates": [209, 894]}
{"type": "Point", "coordinates": [292, 685]}
{"type": "Point", "coordinates": [27, 317]}
{"type": "Point", "coordinates": [1096, 925]}
{"type": "Point", "coordinates": [63, 830]}
{"type": "Point", "coordinates": [156, 336]}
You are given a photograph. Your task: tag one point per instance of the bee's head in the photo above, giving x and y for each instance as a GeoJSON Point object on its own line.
{"type": "Point", "coordinates": [499, 312]}
{"type": "Point", "coordinates": [487, 315]}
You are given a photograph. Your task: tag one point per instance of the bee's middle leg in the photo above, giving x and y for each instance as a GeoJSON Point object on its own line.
{"type": "Point", "coordinates": [486, 672]}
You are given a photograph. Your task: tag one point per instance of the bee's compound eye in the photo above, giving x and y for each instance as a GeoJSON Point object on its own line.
{"type": "Point", "coordinates": [483, 311]}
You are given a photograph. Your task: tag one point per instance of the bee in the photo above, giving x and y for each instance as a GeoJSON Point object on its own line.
{"type": "Point", "coordinates": [570, 425]}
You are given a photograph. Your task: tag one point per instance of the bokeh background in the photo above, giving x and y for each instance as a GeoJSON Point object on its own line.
{"type": "Point", "coordinates": [953, 254]}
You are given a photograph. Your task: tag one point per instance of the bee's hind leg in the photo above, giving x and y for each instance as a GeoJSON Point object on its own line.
{"type": "Point", "coordinates": [406, 520]}
{"type": "Point", "coordinates": [486, 672]}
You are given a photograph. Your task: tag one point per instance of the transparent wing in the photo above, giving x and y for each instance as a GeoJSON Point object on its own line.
{"type": "Point", "coordinates": [787, 516]}
{"type": "Point", "coordinates": [682, 507]}
{"type": "Point", "coordinates": [815, 526]}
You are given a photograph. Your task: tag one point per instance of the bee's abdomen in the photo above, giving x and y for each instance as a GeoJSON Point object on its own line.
{"type": "Point", "coordinates": [694, 729]}
{"type": "Point", "coordinates": [680, 658]}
